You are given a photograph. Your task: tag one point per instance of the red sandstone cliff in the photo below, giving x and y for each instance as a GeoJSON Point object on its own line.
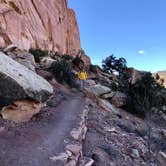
{"type": "Point", "coordinates": [39, 23]}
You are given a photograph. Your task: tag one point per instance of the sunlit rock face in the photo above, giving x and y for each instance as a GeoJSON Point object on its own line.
{"type": "Point", "coordinates": [41, 24]}
{"type": "Point", "coordinates": [162, 75]}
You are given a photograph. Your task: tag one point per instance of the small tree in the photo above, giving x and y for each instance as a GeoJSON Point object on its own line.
{"type": "Point", "coordinates": [112, 64]}
{"type": "Point", "coordinates": [67, 57]}
{"type": "Point", "coordinates": [38, 53]}
{"type": "Point", "coordinates": [62, 71]}
{"type": "Point", "coordinates": [145, 94]}
{"type": "Point", "coordinates": [78, 62]}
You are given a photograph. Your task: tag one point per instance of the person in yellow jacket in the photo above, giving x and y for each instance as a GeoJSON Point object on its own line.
{"type": "Point", "coordinates": [82, 76]}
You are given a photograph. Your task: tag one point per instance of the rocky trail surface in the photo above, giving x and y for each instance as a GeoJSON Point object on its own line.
{"type": "Point", "coordinates": [33, 143]}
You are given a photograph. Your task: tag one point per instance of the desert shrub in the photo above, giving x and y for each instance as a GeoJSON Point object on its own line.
{"type": "Point", "coordinates": [111, 64]}
{"type": "Point", "coordinates": [145, 95]}
{"type": "Point", "coordinates": [78, 62]}
{"type": "Point", "coordinates": [67, 57]}
{"type": "Point", "coordinates": [62, 71]}
{"type": "Point", "coordinates": [38, 53]}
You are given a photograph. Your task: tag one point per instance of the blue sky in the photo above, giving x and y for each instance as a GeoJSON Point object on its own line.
{"type": "Point", "coordinates": [133, 29]}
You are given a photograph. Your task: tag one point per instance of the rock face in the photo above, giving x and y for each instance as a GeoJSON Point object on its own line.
{"type": "Point", "coordinates": [42, 24]}
{"type": "Point", "coordinates": [18, 82]}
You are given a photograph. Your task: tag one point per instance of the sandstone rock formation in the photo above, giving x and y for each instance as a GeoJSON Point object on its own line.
{"type": "Point", "coordinates": [42, 24]}
{"type": "Point", "coordinates": [21, 111]}
{"type": "Point", "coordinates": [162, 75]}
{"type": "Point", "coordinates": [18, 82]}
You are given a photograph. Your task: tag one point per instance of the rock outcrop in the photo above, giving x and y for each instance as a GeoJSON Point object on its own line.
{"type": "Point", "coordinates": [43, 24]}
{"type": "Point", "coordinates": [162, 75]}
{"type": "Point", "coordinates": [18, 82]}
{"type": "Point", "coordinates": [135, 75]}
{"type": "Point", "coordinates": [98, 89]}
{"type": "Point", "coordinates": [21, 111]}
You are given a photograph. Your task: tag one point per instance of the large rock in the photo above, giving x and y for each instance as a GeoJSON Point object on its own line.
{"type": "Point", "coordinates": [18, 82]}
{"type": "Point", "coordinates": [162, 158]}
{"type": "Point", "coordinates": [90, 82]}
{"type": "Point", "coordinates": [108, 107]}
{"type": "Point", "coordinates": [23, 58]}
{"type": "Point", "coordinates": [21, 111]}
{"type": "Point", "coordinates": [46, 62]}
{"type": "Point", "coordinates": [99, 89]}
{"type": "Point", "coordinates": [86, 161]}
{"type": "Point", "coordinates": [119, 99]}
{"type": "Point", "coordinates": [108, 95]}
{"type": "Point", "coordinates": [42, 24]}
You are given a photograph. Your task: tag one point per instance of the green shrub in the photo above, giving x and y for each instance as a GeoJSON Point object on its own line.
{"type": "Point", "coordinates": [38, 53]}
{"type": "Point", "coordinates": [62, 71]}
{"type": "Point", "coordinates": [78, 62]}
{"type": "Point", "coordinates": [145, 95]}
{"type": "Point", "coordinates": [67, 57]}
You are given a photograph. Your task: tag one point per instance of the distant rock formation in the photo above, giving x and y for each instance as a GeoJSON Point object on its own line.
{"type": "Point", "coordinates": [42, 24]}
{"type": "Point", "coordinates": [162, 75]}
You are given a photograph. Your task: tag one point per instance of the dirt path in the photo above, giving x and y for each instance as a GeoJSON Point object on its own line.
{"type": "Point", "coordinates": [33, 143]}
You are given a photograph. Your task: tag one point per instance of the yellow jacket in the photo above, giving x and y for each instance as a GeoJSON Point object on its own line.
{"type": "Point", "coordinates": [82, 75]}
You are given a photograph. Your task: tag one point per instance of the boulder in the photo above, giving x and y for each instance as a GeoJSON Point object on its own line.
{"type": "Point", "coordinates": [23, 58]}
{"type": "Point", "coordinates": [119, 99]}
{"type": "Point", "coordinates": [61, 157]}
{"type": "Point", "coordinates": [108, 95]}
{"type": "Point", "coordinates": [99, 89]}
{"type": "Point", "coordinates": [46, 62]}
{"type": "Point", "coordinates": [135, 153]}
{"type": "Point", "coordinates": [86, 161]}
{"type": "Point", "coordinates": [45, 74]}
{"type": "Point", "coordinates": [21, 111]}
{"type": "Point", "coordinates": [18, 82]}
{"type": "Point", "coordinates": [125, 125]}
{"type": "Point", "coordinates": [164, 133]}
{"type": "Point", "coordinates": [104, 79]}
{"type": "Point", "coordinates": [90, 82]}
{"type": "Point", "coordinates": [162, 158]}
{"type": "Point", "coordinates": [10, 48]}
{"type": "Point", "coordinates": [108, 107]}
{"type": "Point", "coordinates": [74, 147]}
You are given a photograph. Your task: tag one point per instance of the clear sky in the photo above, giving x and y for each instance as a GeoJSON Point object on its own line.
{"type": "Point", "coordinates": [133, 29]}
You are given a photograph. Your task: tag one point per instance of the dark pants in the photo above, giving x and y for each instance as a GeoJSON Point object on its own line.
{"type": "Point", "coordinates": [82, 83]}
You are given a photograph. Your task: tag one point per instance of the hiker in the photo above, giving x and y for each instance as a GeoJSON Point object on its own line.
{"type": "Point", "coordinates": [82, 76]}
